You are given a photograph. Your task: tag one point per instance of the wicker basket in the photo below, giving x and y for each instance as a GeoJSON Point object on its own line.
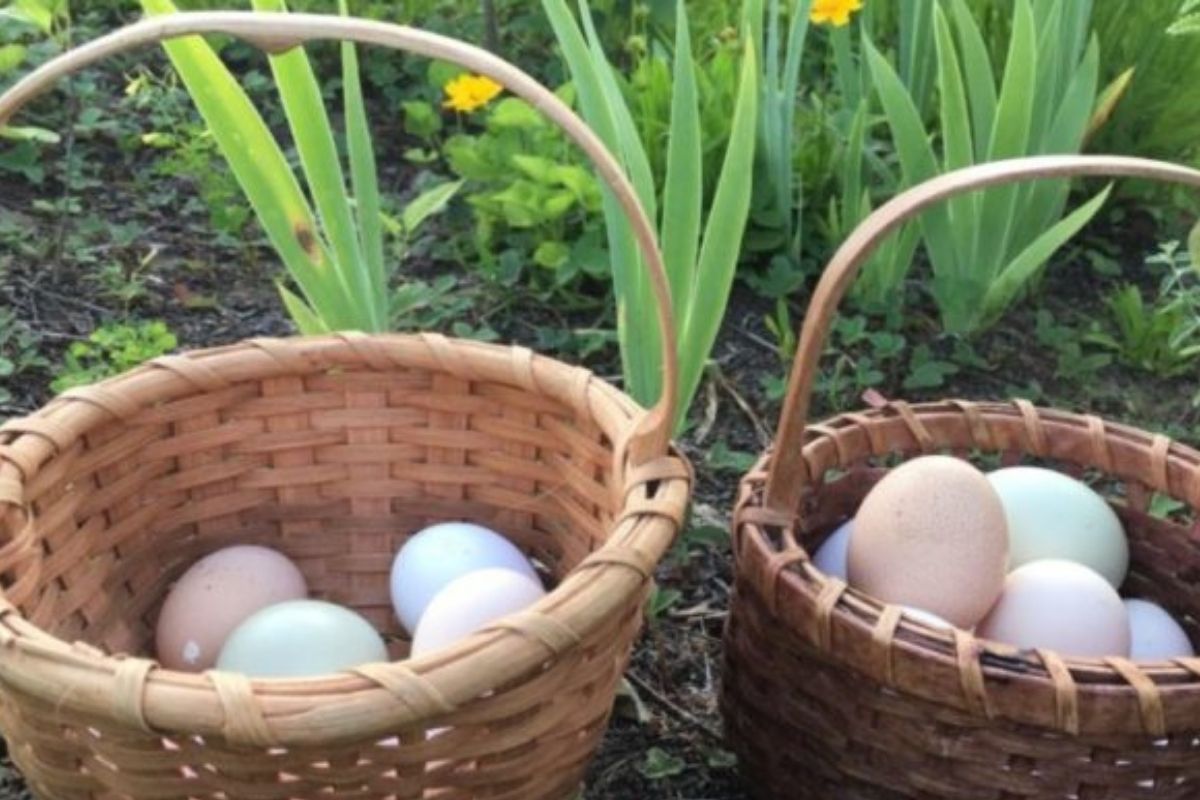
{"type": "Point", "coordinates": [332, 450]}
{"type": "Point", "coordinates": [829, 694]}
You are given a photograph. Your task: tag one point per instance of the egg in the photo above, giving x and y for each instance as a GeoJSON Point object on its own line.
{"type": "Point", "coordinates": [931, 535]}
{"type": "Point", "coordinates": [1154, 634]}
{"type": "Point", "coordinates": [441, 553]}
{"type": "Point", "coordinates": [1062, 606]}
{"type": "Point", "coordinates": [214, 596]}
{"type": "Point", "coordinates": [925, 618]}
{"type": "Point", "coordinates": [1052, 515]}
{"type": "Point", "coordinates": [301, 638]}
{"type": "Point", "coordinates": [471, 603]}
{"type": "Point", "coordinates": [830, 557]}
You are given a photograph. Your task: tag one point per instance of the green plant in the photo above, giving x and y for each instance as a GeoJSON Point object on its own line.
{"type": "Point", "coordinates": [532, 203]}
{"type": "Point", "coordinates": [29, 29]}
{"type": "Point", "coordinates": [19, 353]}
{"type": "Point", "coordinates": [777, 196]}
{"type": "Point", "coordinates": [1188, 21]}
{"type": "Point", "coordinates": [112, 349]}
{"type": "Point", "coordinates": [658, 764]}
{"type": "Point", "coordinates": [701, 256]}
{"type": "Point", "coordinates": [337, 264]}
{"type": "Point", "coordinates": [865, 359]}
{"type": "Point", "coordinates": [1072, 362]}
{"type": "Point", "coordinates": [1148, 43]}
{"type": "Point", "coordinates": [1162, 338]}
{"type": "Point", "coordinates": [986, 248]}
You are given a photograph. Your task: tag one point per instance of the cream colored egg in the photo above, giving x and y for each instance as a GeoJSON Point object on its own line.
{"type": "Point", "coordinates": [931, 535]}
{"type": "Point", "coordinates": [927, 619]}
{"type": "Point", "coordinates": [471, 603]}
{"type": "Point", "coordinates": [1062, 606]}
{"type": "Point", "coordinates": [216, 595]}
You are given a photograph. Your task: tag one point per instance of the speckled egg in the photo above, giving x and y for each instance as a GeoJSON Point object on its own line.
{"type": "Point", "coordinates": [932, 535]}
{"type": "Point", "coordinates": [214, 596]}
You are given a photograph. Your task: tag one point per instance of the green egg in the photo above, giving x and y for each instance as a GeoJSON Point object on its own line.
{"type": "Point", "coordinates": [1052, 515]}
{"type": "Point", "coordinates": [301, 638]}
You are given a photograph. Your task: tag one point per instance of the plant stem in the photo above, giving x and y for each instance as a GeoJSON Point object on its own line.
{"type": "Point", "coordinates": [491, 26]}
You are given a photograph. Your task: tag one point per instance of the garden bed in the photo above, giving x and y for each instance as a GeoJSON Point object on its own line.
{"type": "Point", "coordinates": [96, 233]}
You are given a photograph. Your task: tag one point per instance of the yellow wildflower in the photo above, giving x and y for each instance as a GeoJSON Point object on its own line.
{"type": "Point", "coordinates": [467, 93]}
{"type": "Point", "coordinates": [834, 12]}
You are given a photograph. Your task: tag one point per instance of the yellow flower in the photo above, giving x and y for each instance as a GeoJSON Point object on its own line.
{"type": "Point", "coordinates": [834, 12]}
{"type": "Point", "coordinates": [468, 92]}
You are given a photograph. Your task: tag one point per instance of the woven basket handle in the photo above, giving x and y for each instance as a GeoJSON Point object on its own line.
{"type": "Point", "coordinates": [787, 472]}
{"type": "Point", "coordinates": [279, 32]}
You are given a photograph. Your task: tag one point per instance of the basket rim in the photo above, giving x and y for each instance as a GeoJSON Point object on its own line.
{"type": "Point", "coordinates": [785, 575]}
{"type": "Point", "coordinates": [376, 699]}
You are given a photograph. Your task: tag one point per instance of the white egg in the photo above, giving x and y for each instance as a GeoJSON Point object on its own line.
{"type": "Point", "coordinates": [1154, 634]}
{"type": "Point", "coordinates": [927, 618]}
{"type": "Point", "coordinates": [471, 603]}
{"type": "Point", "coordinates": [442, 553]}
{"type": "Point", "coordinates": [1052, 515]}
{"type": "Point", "coordinates": [830, 557]}
{"type": "Point", "coordinates": [1062, 606]}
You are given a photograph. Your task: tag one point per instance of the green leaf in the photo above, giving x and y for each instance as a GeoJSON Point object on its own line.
{"type": "Point", "coordinates": [640, 362]}
{"type": "Point", "coordinates": [917, 161]}
{"type": "Point", "coordinates": [262, 171]}
{"type": "Point", "coordinates": [37, 13]}
{"type": "Point", "coordinates": [420, 119]}
{"type": "Point", "coordinates": [11, 57]}
{"type": "Point", "coordinates": [956, 133]}
{"type": "Point", "coordinates": [513, 113]}
{"type": "Point", "coordinates": [365, 177]}
{"type": "Point", "coordinates": [632, 154]}
{"type": "Point", "coordinates": [684, 193]}
{"type": "Point", "coordinates": [1022, 268]}
{"type": "Point", "coordinates": [1194, 246]}
{"type": "Point", "coordinates": [981, 80]}
{"type": "Point", "coordinates": [551, 255]}
{"type": "Point", "coordinates": [28, 134]}
{"type": "Point", "coordinates": [307, 320]}
{"type": "Point", "coordinates": [723, 459]}
{"type": "Point", "coordinates": [1010, 139]}
{"type": "Point", "coordinates": [309, 123]}
{"type": "Point", "coordinates": [722, 239]}
{"type": "Point", "coordinates": [427, 204]}
{"type": "Point", "coordinates": [1109, 99]}
{"type": "Point", "coordinates": [660, 764]}
{"type": "Point", "coordinates": [1040, 204]}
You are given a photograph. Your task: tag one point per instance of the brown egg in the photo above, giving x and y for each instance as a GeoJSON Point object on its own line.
{"type": "Point", "coordinates": [932, 534]}
{"type": "Point", "coordinates": [214, 596]}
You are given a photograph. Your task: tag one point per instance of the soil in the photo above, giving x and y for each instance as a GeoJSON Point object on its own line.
{"type": "Point", "coordinates": [212, 292]}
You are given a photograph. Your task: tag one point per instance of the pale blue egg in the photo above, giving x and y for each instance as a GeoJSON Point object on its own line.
{"type": "Point", "coordinates": [438, 555]}
{"type": "Point", "coordinates": [830, 557]}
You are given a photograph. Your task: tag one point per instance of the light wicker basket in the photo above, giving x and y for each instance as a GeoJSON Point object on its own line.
{"type": "Point", "coordinates": [332, 450]}
{"type": "Point", "coordinates": [828, 693]}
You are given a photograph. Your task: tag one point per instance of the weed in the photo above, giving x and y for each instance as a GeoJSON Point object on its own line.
{"type": "Point", "coordinates": [112, 349]}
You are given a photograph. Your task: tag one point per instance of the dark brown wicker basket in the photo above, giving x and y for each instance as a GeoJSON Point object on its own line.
{"type": "Point", "coordinates": [333, 450]}
{"type": "Point", "coordinates": [828, 693]}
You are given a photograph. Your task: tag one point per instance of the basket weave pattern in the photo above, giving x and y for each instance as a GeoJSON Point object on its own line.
{"type": "Point", "coordinates": [332, 450]}
{"type": "Point", "coordinates": [829, 693]}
